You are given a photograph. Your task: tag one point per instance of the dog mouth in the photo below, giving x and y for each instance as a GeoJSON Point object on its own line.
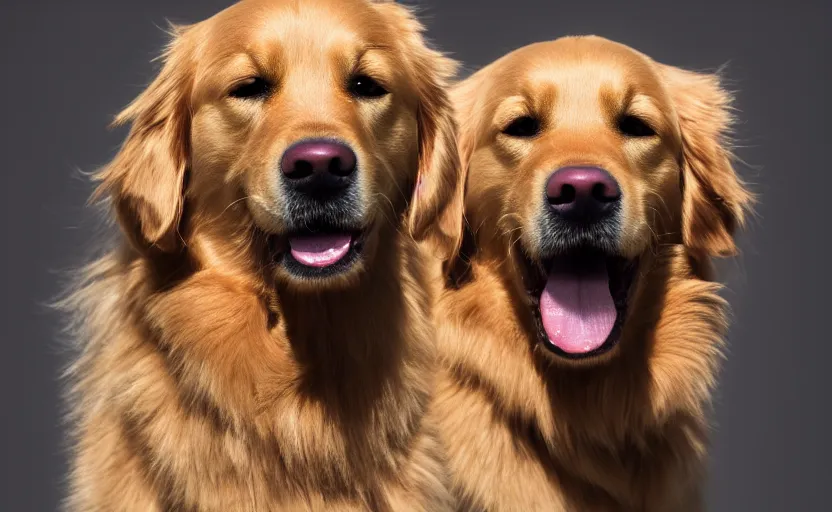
{"type": "Point", "coordinates": [318, 253]}
{"type": "Point", "coordinates": [320, 250]}
{"type": "Point", "coordinates": [579, 301]}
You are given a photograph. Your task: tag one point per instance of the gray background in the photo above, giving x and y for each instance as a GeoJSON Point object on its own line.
{"type": "Point", "coordinates": [69, 66]}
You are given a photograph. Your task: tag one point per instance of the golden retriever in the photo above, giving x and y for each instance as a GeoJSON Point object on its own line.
{"type": "Point", "coordinates": [259, 338]}
{"type": "Point", "coordinates": [580, 332]}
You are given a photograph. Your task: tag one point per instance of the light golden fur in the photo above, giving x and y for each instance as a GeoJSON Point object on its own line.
{"type": "Point", "coordinates": [626, 431]}
{"type": "Point", "coordinates": [208, 380]}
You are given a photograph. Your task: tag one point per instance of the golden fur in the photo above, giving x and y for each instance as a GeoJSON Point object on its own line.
{"type": "Point", "coordinates": [626, 430]}
{"type": "Point", "coordinates": [207, 380]}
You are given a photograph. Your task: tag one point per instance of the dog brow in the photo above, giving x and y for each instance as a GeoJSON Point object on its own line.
{"type": "Point", "coordinates": [368, 48]}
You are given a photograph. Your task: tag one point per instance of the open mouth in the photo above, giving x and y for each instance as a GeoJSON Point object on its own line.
{"type": "Point", "coordinates": [318, 253]}
{"type": "Point", "coordinates": [579, 301]}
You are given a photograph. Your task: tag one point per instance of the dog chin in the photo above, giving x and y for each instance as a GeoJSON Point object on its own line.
{"type": "Point", "coordinates": [579, 301]}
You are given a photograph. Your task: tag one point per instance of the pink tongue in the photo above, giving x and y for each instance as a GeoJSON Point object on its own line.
{"type": "Point", "coordinates": [577, 309]}
{"type": "Point", "coordinates": [319, 250]}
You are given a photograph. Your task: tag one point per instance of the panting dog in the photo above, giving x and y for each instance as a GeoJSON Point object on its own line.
{"type": "Point", "coordinates": [259, 337]}
{"type": "Point", "coordinates": [581, 331]}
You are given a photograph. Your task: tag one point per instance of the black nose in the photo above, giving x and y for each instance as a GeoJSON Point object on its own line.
{"type": "Point", "coordinates": [318, 165]}
{"type": "Point", "coordinates": [582, 193]}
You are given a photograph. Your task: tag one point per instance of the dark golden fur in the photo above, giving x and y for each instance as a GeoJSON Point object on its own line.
{"type": "Point", "coordinates": [208, 379]}
{"type": "Point", "coordinates": [626, 430]}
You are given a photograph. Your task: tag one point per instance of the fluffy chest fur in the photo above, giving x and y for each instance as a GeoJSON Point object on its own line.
{"type": "Point", "coordinates": [523, 433]}
{"type": "Point", "coordinates": [211, 395]}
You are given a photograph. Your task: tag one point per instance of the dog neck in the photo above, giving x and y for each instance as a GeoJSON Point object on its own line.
{"type": "Point", "coordinates": [356, 340]}
{"type": "Point", "coordinates": [643, 406]}
{"type": "Point", "coordinates": [337, 380]}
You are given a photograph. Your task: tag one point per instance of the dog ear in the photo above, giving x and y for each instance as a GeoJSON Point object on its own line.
{"type": "Point", "coordinates": [468, 102]}
{"type": "Point", "coordinates": [145, 180]}
{"type": "Point", "coordinates": [715, 201]}
{"type": "Point", "coordinates": [435, 212]}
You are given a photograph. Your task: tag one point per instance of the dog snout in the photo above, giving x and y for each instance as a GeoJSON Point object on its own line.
{"type": "Point", "coordinates": [319, 166]}
{"type": "Point", "coordinates": [582, 194]}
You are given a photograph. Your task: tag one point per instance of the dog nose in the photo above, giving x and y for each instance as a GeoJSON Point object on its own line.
{"type": "Point", "coordinates": [583, 193]}
{"type": "Point", "coordinates": [321, 160]}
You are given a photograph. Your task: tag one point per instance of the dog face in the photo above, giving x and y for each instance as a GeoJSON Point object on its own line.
{"type": "Point", "coordinates": [310, 121]}
{"type": "Point", "coordinates": [582, 155]}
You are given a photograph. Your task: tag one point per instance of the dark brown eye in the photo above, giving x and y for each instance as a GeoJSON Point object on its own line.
{"type": "Point", "coordinates": [362, 86]}
{"type": "Point", "coordinates": [632, 126]}
{"type": "Point", "coordinates": [253, 88]}
{"type": "Point", "coordinates": [526, 126]}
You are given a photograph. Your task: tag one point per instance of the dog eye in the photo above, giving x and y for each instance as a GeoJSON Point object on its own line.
{"type": "Point", "coordinates": [253, 88]}
{"type": "Point", "coordinates": [632, 126]}
{"type": "Point", "coordinates": [362, 86]}
{"type": "Point", "coordinates": [526, 126]}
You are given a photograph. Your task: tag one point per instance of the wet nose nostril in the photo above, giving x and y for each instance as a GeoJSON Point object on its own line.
{"type": "Point", "coordinates": [318, 157]}
{"type": "Point", "coordinates": [567, 195]}
{"type": "Point", "coordinates": [582, 192]}
{"type": "Point", "coordinates": [338, 167]}
{"type": "Point", "coordinates": [301, 169]}
{"type": "Point", "coordinates": [605, 193]}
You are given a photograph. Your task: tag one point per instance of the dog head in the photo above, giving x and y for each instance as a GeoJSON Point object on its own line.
{"type": "Point", "coordinates": [582, 156]}
{"type": "Point", "coordinates": [322, 125]}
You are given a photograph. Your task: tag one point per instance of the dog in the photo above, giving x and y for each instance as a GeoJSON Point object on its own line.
{"type": "Point", "coordinates": [259, 335]}
{"type": "Point", "coordinates": [581, 329]}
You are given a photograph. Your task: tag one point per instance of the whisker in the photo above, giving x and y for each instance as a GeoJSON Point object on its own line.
{"type": "Point", "coordinates": [390, 219]}
{"type": "Point", "coordinates": [509, 234]}
{"type": "Point", "coordinates": [232, 204]}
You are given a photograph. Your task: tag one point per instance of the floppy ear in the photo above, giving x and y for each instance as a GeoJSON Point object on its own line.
{"type": "Point", "coordinates": [468, 102]}
{"type": "Point", "coordinates": [145, 180]}
{"type": "Point", "coordinates": [435, 212]}
{"type": "Point", "coordinates": [715, 200]}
